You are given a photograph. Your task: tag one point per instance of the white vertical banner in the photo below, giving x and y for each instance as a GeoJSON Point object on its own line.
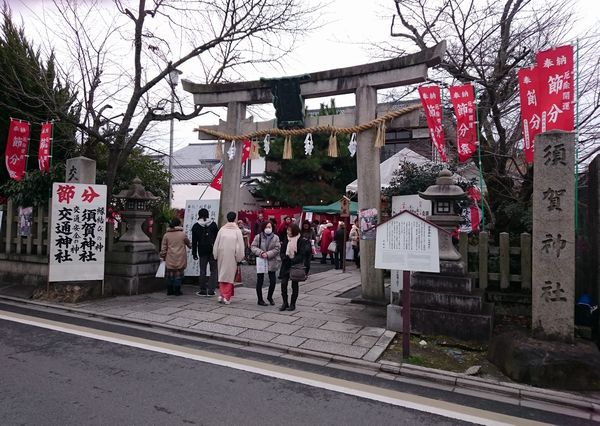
{"type": "Point", "coordinates": [190, 217]}
{"type": "Point", "coordinates": [78, 232]}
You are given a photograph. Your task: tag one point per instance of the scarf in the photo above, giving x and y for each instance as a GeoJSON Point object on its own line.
{"type": "Point", "coordinates": [292, 246]}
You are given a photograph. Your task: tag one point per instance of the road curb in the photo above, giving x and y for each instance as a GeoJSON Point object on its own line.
{"type": "Point", "coordinates": [527, 396]}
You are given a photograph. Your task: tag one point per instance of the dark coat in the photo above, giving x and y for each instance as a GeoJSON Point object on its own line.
{"type": "Point", "coordinates": [198, 233]}
{"type": "Point", "coordinates": [303, 254]}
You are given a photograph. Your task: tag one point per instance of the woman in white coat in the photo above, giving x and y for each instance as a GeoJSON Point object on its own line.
{"type": "Point", "coordinates": [229, 251]}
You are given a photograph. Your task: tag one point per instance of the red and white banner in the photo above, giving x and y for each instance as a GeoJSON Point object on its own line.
{"type": "Point", "coordinates": [218, 179]}
{"type": "Point", "coordinates": [432, 104]}
{"type": "Point", "coordinates": [556, 89]}
{"type": "Point", "coordinates": [530, 115]}
{"type": "Point", "coordinates": [44, 150]}
{"type": "Point", "coordinates": [16, 149]}
{"type": "Point", "coordinates": [463, 100]}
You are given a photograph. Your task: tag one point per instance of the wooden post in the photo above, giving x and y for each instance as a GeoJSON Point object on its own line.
{"type": "Point", "coordinates": [405, 314]}
{"type": "Point", "coordinates": [504, 260]}
{"type": "Point", "coordinates": [483, 260]}
{"type": "Point", "coordinates": [525, 261]}
{"type": "Point", "coordinates": [9, 225]}
{"type": "Point", "coordinates": [39, 249]}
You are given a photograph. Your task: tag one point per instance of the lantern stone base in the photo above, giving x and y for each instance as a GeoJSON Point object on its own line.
{"type": "Point", "coordinates": [446, 305]}
{"type": "Point", "coordinates": [131, 269]}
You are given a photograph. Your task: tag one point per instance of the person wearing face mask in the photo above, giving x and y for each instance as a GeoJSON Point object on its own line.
{"type": "Point", "coordinates": [294, 251]}
{"type": "Point", "coordinates": [265, 247]}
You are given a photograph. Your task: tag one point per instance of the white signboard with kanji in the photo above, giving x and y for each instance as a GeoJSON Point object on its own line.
{"type": "Point", "coordinates": [77, 237]}
{"type": "Point", "coordinates": [412, 203]}
{"type": "Point", "coordinates": [407, 243]}
{"type": "Point", "coordinates": [191, 216]}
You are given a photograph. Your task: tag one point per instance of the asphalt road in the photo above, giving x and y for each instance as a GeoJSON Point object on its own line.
{"type": "Point", "coordinates": [52, 378]}
{"type": "Point", "coordinates": [58, 369]}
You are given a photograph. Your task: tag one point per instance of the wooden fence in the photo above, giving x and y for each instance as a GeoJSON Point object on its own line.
{"type": "Point", "coordinates": [478, 258]}
{"type": "Point", "coordinates": [13, 243]}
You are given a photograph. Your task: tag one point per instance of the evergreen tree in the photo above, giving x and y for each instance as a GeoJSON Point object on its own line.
{"type": "Point", "coordinates": [309, 180]}
{"type": "Point", "coordinates": [31, 92]}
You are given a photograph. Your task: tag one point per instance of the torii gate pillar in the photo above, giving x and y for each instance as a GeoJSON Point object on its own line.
{"type": "Point", "coordinates": [232, 169]}
{"type": "Point", "coordinates": [369, 196]}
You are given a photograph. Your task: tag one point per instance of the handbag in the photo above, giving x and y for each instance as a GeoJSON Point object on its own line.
{"type": "Point", "coordinates": [332, 246]}
{"type": "Point", "coordinates": [160, 273]}
{"type": "Point", "coordinates": [297, 272]}
{"type": "Point", "coordinates": [238, 275]}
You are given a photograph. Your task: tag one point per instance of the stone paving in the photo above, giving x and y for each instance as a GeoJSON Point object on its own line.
{"type": "Point", "coordinates": [322, 321]}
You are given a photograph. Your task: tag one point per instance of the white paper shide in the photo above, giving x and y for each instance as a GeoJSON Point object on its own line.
{"type": "Point", "coordinates": [78, 229]}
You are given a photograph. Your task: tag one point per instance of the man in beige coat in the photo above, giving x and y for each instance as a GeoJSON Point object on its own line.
{"type": "Point", "coordinates": [229, 250]}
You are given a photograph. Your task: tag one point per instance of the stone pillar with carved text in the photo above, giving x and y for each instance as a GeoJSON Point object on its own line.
{"type": "Point", "coordinates": [232, 169]}
{"type": "Point", "coordinates": [553, 291]}
{"type": "Point", "coordinates": [369, 189]}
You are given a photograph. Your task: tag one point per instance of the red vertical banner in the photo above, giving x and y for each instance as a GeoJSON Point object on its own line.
{"type": "Point", "coordinates": [218, 179]}
{"type": "Point", "coordinates": [463, 101]}
{"type": "Point", "coordinates": [556, 88]}
{"type": "Point", "coordinates": [16, 149]}
{"type": "Point", "coordinates": [44, 149]}
{"type": "Point", "coordinates": [529, 79]}
{"type": "Point", "coordinates": [432, 104]}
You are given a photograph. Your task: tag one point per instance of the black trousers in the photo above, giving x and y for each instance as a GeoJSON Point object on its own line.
{"type": "Point", "coordinates": [284, 291]}
{"type": "Point", "coordinates": [260, 279]}
{"type": "Point", "coordinates": [204, 280]}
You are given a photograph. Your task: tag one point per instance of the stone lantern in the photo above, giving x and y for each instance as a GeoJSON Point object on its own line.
{"type": "Point", "coordinates": [132, 263]}
{"type": "Point", "coordinates": [135, 199]}
{"type": "Point", "coordinates": [445, 303]}
{"type": "Point", "coordinates": [444, 196]}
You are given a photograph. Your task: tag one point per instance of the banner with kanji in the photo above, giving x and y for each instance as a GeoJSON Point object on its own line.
{"type": "Point", "coordinates": [44, 149]}
{"type": "Point", "coordinates": [556, 88]}
{"type": "Point", "coordinates": [530, 116]}
{"type": "Point", "coordinates": [77, 232]}
{"type": "Point", "coordinates": [432, 105]}
{"type": "Point", "coordinates": [218, 179]}
{"type": "Point", "coordinates": [463, 101]}
{"type": "Point", "coordinates": [16, 149]}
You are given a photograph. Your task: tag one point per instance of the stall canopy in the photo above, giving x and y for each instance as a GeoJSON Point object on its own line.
{"type": "Point", "coordinates": [333, 208]}
{"type": "Point", "coordinates": [388, 167]}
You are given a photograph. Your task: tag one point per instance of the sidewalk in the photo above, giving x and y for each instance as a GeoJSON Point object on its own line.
{"type": "Point", "coordinates": [322, 322]}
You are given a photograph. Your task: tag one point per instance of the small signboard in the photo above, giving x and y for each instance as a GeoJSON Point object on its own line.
{"type": "Point", "coordinates": [191, 216]}
{"type": "Point", "coordinates": [409, 243]}
{"type": "Point", "coordinates": [345, 207]}
{"type": "Point", "coordinates": [77, 234]}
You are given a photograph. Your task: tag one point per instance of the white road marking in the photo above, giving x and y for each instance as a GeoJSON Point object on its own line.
{"type": "Point", "coordinates": [400, 399]}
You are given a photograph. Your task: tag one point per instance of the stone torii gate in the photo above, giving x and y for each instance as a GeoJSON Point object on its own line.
{"type": "Point", "coordinates": [362, 80]}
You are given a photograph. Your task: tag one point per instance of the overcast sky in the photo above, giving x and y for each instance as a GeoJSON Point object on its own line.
{"type": "Point", "coordinates": [350, 26]}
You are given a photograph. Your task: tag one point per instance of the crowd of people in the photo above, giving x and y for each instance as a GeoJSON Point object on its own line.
{"type": "Point", "coordinates": [281, 251]}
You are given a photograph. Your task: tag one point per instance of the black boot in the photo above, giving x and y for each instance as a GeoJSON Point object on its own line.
{"type": "Point", "coordinates": [170, 290]}
{"type": "Point", "coordinates": [271, 301]}
{"type": "Point", "coordinates": [285, 305]}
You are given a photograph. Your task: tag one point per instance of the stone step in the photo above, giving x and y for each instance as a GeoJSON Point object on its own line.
{"type": "Point", "coordinates": [441, 283]}
{"type": "Point", "coordinates": [463, 326]}
{"type": "Point", "coordinates": [452, 302]}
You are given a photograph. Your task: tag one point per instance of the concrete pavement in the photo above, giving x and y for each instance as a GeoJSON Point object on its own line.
{"type": "Point", "coordinates": [322, 321]}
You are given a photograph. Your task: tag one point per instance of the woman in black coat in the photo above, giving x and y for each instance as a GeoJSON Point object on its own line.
{"type": "Point", "coordinates": [294, 251]}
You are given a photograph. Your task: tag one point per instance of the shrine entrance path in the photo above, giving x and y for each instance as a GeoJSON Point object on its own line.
{"type": "Point", "coordinates": [322, 322]}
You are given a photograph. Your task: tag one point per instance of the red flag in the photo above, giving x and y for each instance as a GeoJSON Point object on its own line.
{"type": "Point", "coordinates": [218, 179]}
{"type": "Point", "coordinates": [529, 79]}
{"type": "Point", "coordinates": [16, 149]}
{"type": "Point", "coordinates": [463, 100]}
{"type": "Point", "coordinates": [556, 88]}
{"type": "Point", "coordinates": [44, 150]}
{"type": "Point", "coordinates": [432, 104]}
